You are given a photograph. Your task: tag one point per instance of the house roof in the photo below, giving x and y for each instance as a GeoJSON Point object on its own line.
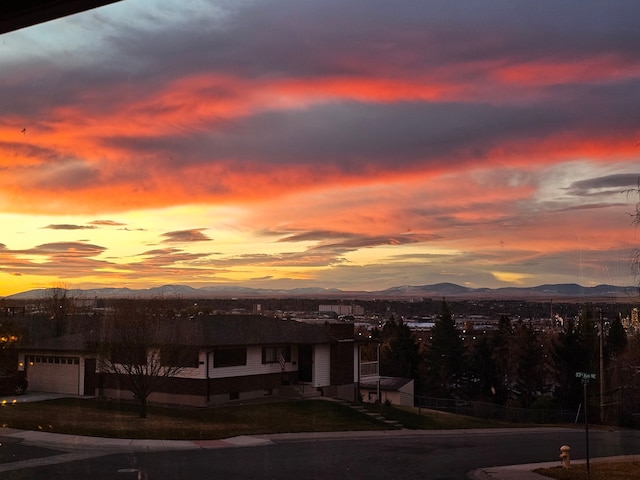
{"type": "Point", "coordinates": [67, 343]}
{"type": "Point", "coordinates": [201, 331]}
{"type": "Point", "coordinates": [229, 330]}
{"type": "Point", "coordinates": [16, 15]}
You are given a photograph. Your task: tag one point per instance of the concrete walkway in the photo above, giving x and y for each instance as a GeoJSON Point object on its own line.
{"type": "Point", "coordinates": [78, 442]}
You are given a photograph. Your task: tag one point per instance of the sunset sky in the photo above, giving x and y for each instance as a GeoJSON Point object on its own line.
{"type": "Point", "coordinates": [343, 144]}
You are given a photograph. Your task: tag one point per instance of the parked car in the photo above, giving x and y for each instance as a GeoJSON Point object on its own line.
{"type": "Point", "coordinates": [12, 382]}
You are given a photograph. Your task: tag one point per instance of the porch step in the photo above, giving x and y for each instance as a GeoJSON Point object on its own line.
{"type": "Point", "coordinates": [375, 415]}
{"type": "Point", "coordinates": [299, 391]}
{"type": "Point", "coordinates": [394, 423]}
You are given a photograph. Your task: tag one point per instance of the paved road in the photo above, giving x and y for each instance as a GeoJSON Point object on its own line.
{"type": "Point", "coordinates": [424, 456]}
{"type": "Point", "coordinates": [11, 451]}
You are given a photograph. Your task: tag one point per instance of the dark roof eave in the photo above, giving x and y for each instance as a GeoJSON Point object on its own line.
{"type": "Point", "coordinates": [17, 15]}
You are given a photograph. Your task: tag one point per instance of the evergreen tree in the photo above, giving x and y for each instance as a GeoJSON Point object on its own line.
{"type": "Point", "coordinates": [615, 380]}
{"type": "Point", "coordinates": [399, 351]}
{"type": "Point", "coordinates": [446, 355]}
{"type": "Point", "coordinates": [526, 364]}
{"type": "Point", "coordinates": [483, 371]}
{"type": "Point", "coordinates": [500, 359]}
{"type": "Point", "coordinates": [616, 340]}
{"type": "Point", "coordinates": [566, 358]}
{"type": "Point", "coordinates": [576, 350]}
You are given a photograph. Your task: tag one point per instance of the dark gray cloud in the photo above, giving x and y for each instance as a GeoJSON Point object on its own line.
{"type": "Point", "coordinates": [605, 185]}
{"type": "Point", "coordinates": [66, 226]}
{"type": "Point", "coordinates": [330, 249]}
{"type": "Point", "coordinates": [160, 258]}
{"type": "Point", "coordinates": [316, 258]}
{"type": "Point", "coordinates": [193, 235]}
{"type": "Point", "coordinates": [329, 239]}
{"type": "Point", "coordinates": [316, 235]}
{"type": "Point", "coordinates": [373, 241]}
{"type": "Point", "coordinates": [350, 135]}
{"type": "Point", "coordinates": [74, 259]}
{"type": "Point", "coordinates": [311, 38]}
{"type": "Point", "coordinates": [107, 223]}
{"type": "Point", "coordinates": [355, 136]}
{"type": "Point", "coordinates": [66, 249]}
{"type": "Point", "coordinates": [29, 150]}
{"type": "Point", "coordinates": [66, 175]}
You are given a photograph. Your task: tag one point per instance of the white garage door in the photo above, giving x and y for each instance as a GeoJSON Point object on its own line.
{"type": "Point", "coordinates": [54, 374]}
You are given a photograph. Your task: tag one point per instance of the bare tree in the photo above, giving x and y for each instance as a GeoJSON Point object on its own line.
{"type": "Point", "coordinates": [140, 345]}
{"type": "Point", "coordinates": [57, 302]}
{"type": "Point", "coordinates": [634, 193]}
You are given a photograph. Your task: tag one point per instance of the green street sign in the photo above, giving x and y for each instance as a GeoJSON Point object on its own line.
{"type": "Point", "coordinates": [585, 375]}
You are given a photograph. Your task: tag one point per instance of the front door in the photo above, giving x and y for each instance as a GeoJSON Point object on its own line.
{"type": "Point", "coordinates": [305, 363]}
{"type": "Point", "coordinates": [90, 377]}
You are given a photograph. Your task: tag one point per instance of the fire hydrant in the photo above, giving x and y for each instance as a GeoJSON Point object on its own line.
{"type": "Point", "coordinates": [565, 456]}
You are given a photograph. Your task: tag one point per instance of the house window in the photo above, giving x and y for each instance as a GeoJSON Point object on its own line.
{"type": "Point", "coordinates": [180, 357]}
{"type": "Point", "coordinates": [272, 354]}
{"type": "Point", "coordinates": [229, 357]}
{"type": "Point", "coordinates": [129, 355]}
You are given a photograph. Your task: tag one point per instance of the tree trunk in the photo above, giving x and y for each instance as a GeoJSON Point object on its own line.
{"type": "Point", "coordinates": [143, 407]}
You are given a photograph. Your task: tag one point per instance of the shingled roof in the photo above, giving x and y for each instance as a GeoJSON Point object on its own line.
{"type": "Point", "coordinates": [67, 343]}
{"type": "Point", "coordinates": [236, 330]}
{"type": "Point", "coordinates": [232, 330]}
{"type": "Point", "coordinates": [200, 331]}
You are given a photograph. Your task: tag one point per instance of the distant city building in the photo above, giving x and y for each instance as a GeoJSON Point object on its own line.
{"type": "Point", "coordinates": [342, 309]}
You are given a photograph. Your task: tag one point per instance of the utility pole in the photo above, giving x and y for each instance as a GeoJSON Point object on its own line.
{"type": "Point", "coordinates": [601, 335]}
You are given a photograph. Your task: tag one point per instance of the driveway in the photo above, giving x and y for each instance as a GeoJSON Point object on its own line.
{"type": "Point", "coordinates": [32, 397]}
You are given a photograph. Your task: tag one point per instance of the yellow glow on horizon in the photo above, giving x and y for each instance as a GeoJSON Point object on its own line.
{"type": "Point", "coordinates": [419, 252]}
{"type": "Point", "coordinates": [511, 277]}
{"type": "Point", "coordinates": [12, 284]}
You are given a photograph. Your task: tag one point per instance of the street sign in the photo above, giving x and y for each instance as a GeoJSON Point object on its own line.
{"type": "Point", "coordinates": [585, 380]}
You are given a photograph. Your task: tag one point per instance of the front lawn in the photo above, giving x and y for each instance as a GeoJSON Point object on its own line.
{"type": "Point", "coordinates": [114, 419]}
{"type": "Point", "coordinates": [597, 471]}
{"type": "Point", "coordinates": [424, 419]}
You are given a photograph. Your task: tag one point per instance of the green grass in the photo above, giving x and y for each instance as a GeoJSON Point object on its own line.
{"type": "Point", "coordinates": [105, 418]}
{"type": "Point", "coordinates": [425, 419]}
{"type": "Point", "coordinates": [114, 419]}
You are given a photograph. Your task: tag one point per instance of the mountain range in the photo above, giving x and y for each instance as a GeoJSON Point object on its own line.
{"type": "Point", "coordinates": [436, 291]}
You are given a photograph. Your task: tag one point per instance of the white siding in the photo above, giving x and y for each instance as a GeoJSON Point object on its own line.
{"type": "Point", "coordinates": [406, 394]}
{"type": "Point", "coordinates": [356, 362]}
{"type": "Point", "coordinates": [321, 366]}
{"type": "Point", "coordinates": [254, 365]}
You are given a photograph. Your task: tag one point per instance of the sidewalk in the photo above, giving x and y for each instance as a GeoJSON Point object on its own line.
{"type": "Point", "coordinates": [78, 442]}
